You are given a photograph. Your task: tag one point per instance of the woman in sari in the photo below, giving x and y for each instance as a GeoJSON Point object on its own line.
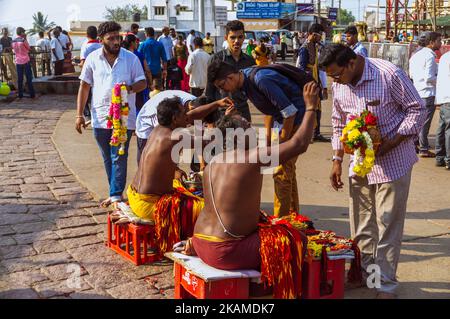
{"type": "Point", "coordinates": [180, 51]}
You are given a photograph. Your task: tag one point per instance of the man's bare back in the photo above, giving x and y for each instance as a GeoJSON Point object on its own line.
{"type": "Point", "coordinates": [156, 169]}
{"type": "Point", "coordinates": [237, 199]}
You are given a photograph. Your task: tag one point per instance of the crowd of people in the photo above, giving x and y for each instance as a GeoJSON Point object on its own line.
{"type": "Point", "coordinates": [55, 49]}
{"type": "Point", "coordinates": [221, 84]}
{"type": "Point", "coordinates": [172, 81]}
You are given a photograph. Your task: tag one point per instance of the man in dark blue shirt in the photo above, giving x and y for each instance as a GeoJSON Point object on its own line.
{"type": "Point", "coordinates": [280, 99]}
{"type": "Point", "coordinates": [155, 56]}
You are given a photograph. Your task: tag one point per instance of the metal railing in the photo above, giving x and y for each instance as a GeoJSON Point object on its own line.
{"type": "Point", "coordinates": [41, 64]}
{"type": "Point", "coordinates": [398, 54]}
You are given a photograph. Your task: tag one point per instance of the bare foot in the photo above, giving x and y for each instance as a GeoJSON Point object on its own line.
{"type": "Point", "coordinates": [185, 247]}
{"type": "Point", "coordinates": [106, 203]}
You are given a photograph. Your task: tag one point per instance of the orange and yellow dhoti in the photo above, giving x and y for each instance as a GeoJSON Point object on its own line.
{"type": "Point", "coordinates": [174, 214]}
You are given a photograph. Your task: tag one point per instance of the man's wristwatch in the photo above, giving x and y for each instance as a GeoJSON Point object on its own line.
{"type": "Point", "coordinates": [337, 158]}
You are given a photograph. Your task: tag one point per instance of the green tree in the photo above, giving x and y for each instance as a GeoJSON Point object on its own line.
{"type": "Point", "coordinates": [125, 13]}
{"type": "Point", "coordinates": [40, 23]}
{"type": "Point", "coordinates": [346, 17]}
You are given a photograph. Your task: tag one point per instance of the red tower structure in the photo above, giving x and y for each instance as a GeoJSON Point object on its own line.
{"type": "Point", "coordinates": [398, 14]}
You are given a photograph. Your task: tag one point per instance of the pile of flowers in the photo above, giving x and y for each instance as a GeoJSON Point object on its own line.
{"type": "Point", "coordinates": [118, 117]}
{"type": "Point", "coordinates": [327, 239]}
{"type": "Point", "coordinates": [362, 138]}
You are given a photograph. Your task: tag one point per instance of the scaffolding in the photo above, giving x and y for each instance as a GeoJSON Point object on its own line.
{"type": "Point", "coordinates": [408, 14]}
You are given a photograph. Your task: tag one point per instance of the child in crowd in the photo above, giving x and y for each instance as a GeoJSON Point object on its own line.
{"type": "Point", "coordinates": [174, 75]}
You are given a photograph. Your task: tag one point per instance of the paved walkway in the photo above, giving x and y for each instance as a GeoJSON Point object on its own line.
{"type": "Point", "coordinates": [50, 221]}
{"type": "Point", "coordinates": [51, 230]}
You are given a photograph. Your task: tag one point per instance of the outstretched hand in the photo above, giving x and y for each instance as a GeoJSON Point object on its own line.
{"type": "Point", "coordinates": [225, 102]}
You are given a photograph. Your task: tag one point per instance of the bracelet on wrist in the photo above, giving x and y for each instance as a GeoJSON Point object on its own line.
{"type": "Point", "coordinates": [80, 116]}
{"type": "Point", "coordinates": [311, 109]}
{"type": "Point", "coordinates": [337, 158]}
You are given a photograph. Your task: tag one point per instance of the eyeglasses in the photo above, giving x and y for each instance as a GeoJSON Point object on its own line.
{"type": "Point", "coordinates": [338, 75]}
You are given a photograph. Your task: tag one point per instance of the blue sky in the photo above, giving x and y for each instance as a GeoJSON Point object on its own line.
{"type": "Point", "coordinates": [18, 13]}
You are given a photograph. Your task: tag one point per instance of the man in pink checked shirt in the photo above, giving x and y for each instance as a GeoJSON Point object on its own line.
{"type": "Point", "coordinates": [377, 201]}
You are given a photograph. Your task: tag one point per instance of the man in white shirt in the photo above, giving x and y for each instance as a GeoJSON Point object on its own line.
{"type": "Point", "coordinates": [443, 99]}
{"type": "Point", "coordinates": [45, 49]}
{"type": "Point", "coordinates": [102, 70]}
{"type": "Point", "coordinates": [423, 72]}
{"type": "Point", "coordinates": [196, 67]}
{"type": "Point", "coordinates": [147, 118]}
{"type": "Point", "coordinates": [64, 39]}
{"type": "Point", "coordinates": [166, 40]}
{"type": "Point", "coordinates": [57, 53]}
{"type": "Point", "coordinates": [190, 41]}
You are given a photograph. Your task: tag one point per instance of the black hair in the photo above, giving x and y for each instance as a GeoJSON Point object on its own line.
{"type": "Point", "coordinates": [208, 33]}
{"type": "Point", "coordinates": [128, 40]}
{"type": "Point", "coordinates": [218, 70]}
{"type": "Point", "coordinates": [91, 32]}
{"type": "Point", "coordinates": [65, 32]}
{"type": "Point", "coordinates": [336, 53]}
{"type": "Point", "coordinates": [351, 30]}
{"type": "Point", "coordinates": [228, 122]}
{"type": "Point", "coordinates": [316, 28]}
{"type": "Point", "coordinates": [167, 109]}
{"type": "Point", "coordinates": [212, 117]}
{"type": "Point", "coordinates": [20, 30]}
{"type": "Point", "coordinates": [427, 37]}
{"type": "Point", "coordinates": [234, 25]}
{"type": "Point", "coordinates": [173, 61]}
{"type": "Point", "coordinates": [150, 32]}
{"type": "Point", "coordinates": [41, 34]}
{"type": "Point", "coordinates": [192, 32]}
{"type": "Point", "coordinates": [198, 42]}
{"type": "Point", "coordinates": [59, 28]}
{"type": "Point", "coordinates": [107, 27]}
{"type": "Point", "coordinates": [134, 26]}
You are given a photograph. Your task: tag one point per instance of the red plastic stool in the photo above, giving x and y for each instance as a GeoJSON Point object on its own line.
{"type": "Point", "coordinates": [133, 242]}
{"type": "Point", "coordinates": [193, 286]}
{"type": "Point", "coordinates": [332, 288]}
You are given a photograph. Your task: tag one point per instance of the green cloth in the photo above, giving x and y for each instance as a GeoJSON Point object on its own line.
{"type": "Point", "coordinates": [250, 48]}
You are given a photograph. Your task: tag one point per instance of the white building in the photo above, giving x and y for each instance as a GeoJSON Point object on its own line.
{"type": "Point", "coordinates": [184, 14]}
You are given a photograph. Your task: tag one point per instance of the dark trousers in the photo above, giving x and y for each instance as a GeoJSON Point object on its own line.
{"type": "Point", "coordinates": [59, 65]}
{"type": "Point", "coordinates": [173, 85]}
{"type": "Point", "coordinates": [283, 51]}
{"type": "Point", "coordinates": [197, 91]}
{"type": "Point", "coordinates": [45, 65]}
{"type": "Point", "coordinates": [423, 135]}
{"type": "Point", "coordinates": [21, 70]}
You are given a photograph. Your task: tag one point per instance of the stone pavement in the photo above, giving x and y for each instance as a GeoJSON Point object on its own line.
{"type": "Point", "coordinates": [48, 220]}
{"type": "Point", "coordinates": [51, 231]}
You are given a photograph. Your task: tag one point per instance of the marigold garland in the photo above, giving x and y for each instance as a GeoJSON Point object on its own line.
{"type": "Point", "coordinates": [118, 117]}
{"type": "Point", "coordinates": [361, 138]}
